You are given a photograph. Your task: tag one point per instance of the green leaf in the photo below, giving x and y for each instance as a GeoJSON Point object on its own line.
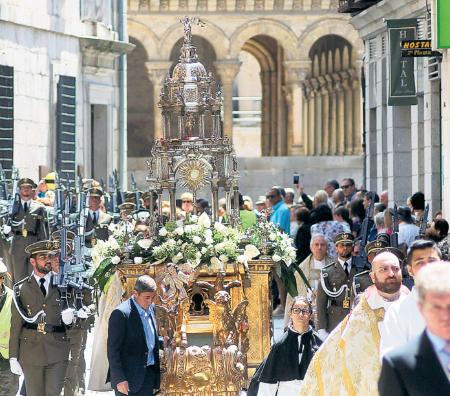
{"type": "Point", "coordinates": [288, 278]}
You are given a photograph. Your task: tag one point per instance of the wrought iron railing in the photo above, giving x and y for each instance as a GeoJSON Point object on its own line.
{"type": "Point", "coordinates": [355, 6]}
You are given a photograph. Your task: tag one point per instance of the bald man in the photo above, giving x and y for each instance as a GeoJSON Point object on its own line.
{"type": "Point", "coordinates": [355, 341]}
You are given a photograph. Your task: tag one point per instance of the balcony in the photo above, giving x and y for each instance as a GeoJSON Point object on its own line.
{"type": "Point", "coordinates": [355, 6]}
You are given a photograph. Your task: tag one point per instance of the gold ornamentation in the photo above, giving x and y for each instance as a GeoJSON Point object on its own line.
{"type": "Point", "coordinates": [194, 174]}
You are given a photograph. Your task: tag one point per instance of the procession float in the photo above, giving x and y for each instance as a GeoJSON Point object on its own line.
{"type": "Point", "coordinates": [213, 299]}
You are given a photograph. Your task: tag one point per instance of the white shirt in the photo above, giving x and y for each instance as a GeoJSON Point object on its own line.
{"type": "Point", "coordinates": [26, 202]}
{"type": "Point", "coordinates": [407, 233]}
{"type": "Point", "coordinates": [318, 264]}
{"type": "Point", "coordinates": [97, 214]}
{"type": "Point", "coordinates": [47, 278]}
{"type": "Point", "coordinates": [349, 263]}
{"type": "Point", "coordinates": [402, 323]}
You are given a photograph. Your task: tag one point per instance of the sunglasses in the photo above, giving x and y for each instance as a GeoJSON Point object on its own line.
{"type": "Point", "coordinates": [299, 311]}
{"type": "Point", "coordinates": [186, 201]}
{"type": "Point", "coordinates": [347, 186]}
{"type": "Point", "coordinates": [270, 196]}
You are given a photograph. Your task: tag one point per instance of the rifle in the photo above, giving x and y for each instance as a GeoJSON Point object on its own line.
{"type": "Point", "coordinates": [3, 187]}
{"type": "Point", "coordinates": [78, 264]}
{"type": "Point", "coordinates": [14, 199]}
{"type": "Point", "coordinates": [105, 194]}
{"type": "Point", "coordinates": [394, 236]}
{"type": "Point", "coordinates": [423, 223]}
{"type": "Point", "coordinates": [113, 197]}
{"type": "Point", "coordinates": [119, 194]}
{"type": "Point", "coordinates": [137, 194]}
{"type": "Point", "coordinates": [361, 262]}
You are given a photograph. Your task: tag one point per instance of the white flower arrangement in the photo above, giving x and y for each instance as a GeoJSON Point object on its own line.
{"type": "Point", "coordinates": [195, 243]}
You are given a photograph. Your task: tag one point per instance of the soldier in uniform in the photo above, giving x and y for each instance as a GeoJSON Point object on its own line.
{"type": "Point", "coordinates": [97, 221]}
{"type": "Point", "coordinates": [334, 294]}
{"type": "Point", "coordinates": [38, 345]}
{"type": "Point", "coordinates": [77, 332]}
{"type": "Point", "coordinates": [27, 226]}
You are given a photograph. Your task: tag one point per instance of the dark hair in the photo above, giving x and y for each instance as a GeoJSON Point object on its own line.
{"type": "Point", "coordinates": [418, 201]}
{"type": "Point", "coordinates": [357, 209]}
{"type": "Point", "coordinates": [441, 225]}
{"type": "Point", "coordinates": [303, 299]}
{"type": "Point", "coordinates": [322, 213]}
{"type": "Point", "coordinates": [280, 190]}
{"type": "Point", "coordinates": [203, 203]}
{"type": "Point", "coordinates": [145, 284]}
{"type": "Point", "coordinates": [350, 181]}
{"type": "Point", "coordinates": [344, 213]}
{"type": "Point", "coordinates": [380, 207]}
{"type": "Point", "coordinates": [421, 244]}
{"type": "Point", "coordinates": [303, 215]}
{"type": "Point", "coordinates": [372, 196]}
{"type": "Point", "coordinates": [333, 183]}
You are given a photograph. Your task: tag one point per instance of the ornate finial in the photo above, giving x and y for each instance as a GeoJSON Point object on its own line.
{"type": "Point", "coordinates": [188, 22]}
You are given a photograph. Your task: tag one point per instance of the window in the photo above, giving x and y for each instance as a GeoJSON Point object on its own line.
{"type": "Point", "coordinates": [6, 118]}
{"type": "Point", "coordinates": [65, 128]}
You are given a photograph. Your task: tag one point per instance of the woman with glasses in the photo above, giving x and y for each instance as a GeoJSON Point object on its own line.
{"type": "Point", "coordinates": [284, 368]}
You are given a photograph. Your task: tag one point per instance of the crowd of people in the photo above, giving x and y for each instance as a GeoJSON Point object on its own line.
{"type": "Point", "coordinates": [359, 257]}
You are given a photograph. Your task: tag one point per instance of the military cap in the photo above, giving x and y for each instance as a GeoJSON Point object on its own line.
{"type": "Point", "coordinates": [146, 195]}
{"type": "Point", "coordinates": [127, 206]}
{"type": "Point", "coordinates": [56, 236]}
{"type": "Point", "coordinates": [344, 237]}
{"type": "Point", "coordinates": [129, 196]}
{"type": "Point", "coordinates": [95, 192]}
{"type": "Point", "coordinates": [3, 269]}
{"type": "Point", "coordinates": [25, 181]}
{"type": "Point", "coordinates": [383, 237]}
{"type": "Point", "coordinates": [375, 246]}
{"type": "Point", "coordinates": [397, 252]}
{"type": "Point", "coordinates": [43, 247]}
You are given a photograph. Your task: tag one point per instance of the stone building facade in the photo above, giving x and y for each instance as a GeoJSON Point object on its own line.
{"type": "Point", "coordinates": [63, 87]}
{"type": "Point", "coordinates": [310, 61]}
{"type": "Point", "coordinates": [403, 143]}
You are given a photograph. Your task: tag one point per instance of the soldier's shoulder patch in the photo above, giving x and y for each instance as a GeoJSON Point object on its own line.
{"type": "Point", "coordinates": [328, 267]}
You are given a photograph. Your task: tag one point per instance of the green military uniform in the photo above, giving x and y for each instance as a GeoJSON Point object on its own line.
{"type": "Point", "coordinates": [41, 347]}
{"type": "Point", "coordinates": [27, 227]}
{"type": "Point", "coordinates": [96, 223]}
{"type": "Point", "coordinates": [334, 294]}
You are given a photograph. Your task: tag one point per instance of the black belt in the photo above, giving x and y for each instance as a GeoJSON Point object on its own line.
{"type": "Point", "coordinates": [28, 233]}
{"type": "Point", "coordinates": [47, 328]}
{"type": "Point", "coordinates": [336, 303]}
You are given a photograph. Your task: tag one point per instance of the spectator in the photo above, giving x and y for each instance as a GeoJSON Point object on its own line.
{"type": "Point", "coordinates": [331, 186]}
{"type": "Point", "coordinates": [248, 202]}
{"type": "Point", "coordinates": [290, 196]}
{"type": "Point", "coordinates": [260, 204]}
{"type": "Point", "coordinates": [370, 197]}
{"type": "Point", "coordinates": [349, 188]}
{"type": "Point", "coordinates": [418, 206]}
{"type": "Point", "coordinates": [387, 221]}
{"type": "Point", "coordinates": [342, 214]}
{"type": "Point", "coordinates": [327, 226]}
{"type": "Point", "coordinates": [247, 217]}
{"type": "Point", "coordinates": [438, 232]}
{"type": "Point", "coordinates": [186, 202]}
{"type": "Point", "coordinates": [281, 190]}
{"type": "Point", "coordinates": [303, 236]}
{"type": "Point", "coordinates": [407, 230]}
{"type": "Point", "coordinates": [320, 197]}
{"type": "Point", "coordinates": [202, 206]}
{"type": "Point", "coordinates": [379, 223]}
{"type": "Point", "coordinates": [223, 218]}
{"type": "Point", "coordinates": [438, 215]}
{"type": "Point", "coordinates": [338, 198]}
{"type": "Point", "coordinates": [384, 198]}
{"type": "Point", "coordinates": [378, 208]}
{"type": "Point", "coordinates": [357, 214]}
{"type": "Point", "coordinates": [280, 212]}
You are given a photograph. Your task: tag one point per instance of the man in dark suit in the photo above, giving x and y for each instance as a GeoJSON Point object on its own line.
{"type": "Point", "coordinates": [133, 350]}
{"type": "Point", "coordinates": [422, 367]}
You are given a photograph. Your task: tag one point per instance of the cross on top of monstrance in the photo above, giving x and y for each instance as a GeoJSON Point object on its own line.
{"type": "Point", "coordinates": [188, 22]}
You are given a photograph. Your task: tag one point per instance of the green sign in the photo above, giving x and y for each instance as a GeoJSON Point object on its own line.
{"type": "Point", "coordinates": [402, 85]}
{"type": "Point", "coordinates": [443, 26]}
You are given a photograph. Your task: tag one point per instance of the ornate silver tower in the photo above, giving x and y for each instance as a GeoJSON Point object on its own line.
{"type": "Point", "coordinates": [193, 154]}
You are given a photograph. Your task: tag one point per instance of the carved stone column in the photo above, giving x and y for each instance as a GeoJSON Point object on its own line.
{"type": "Point", "coordinates": [357, 109]}
{"type": "Point", "coordinates": [333, 116]}
{"type": "Point", "coordinates": [340, 131]}
{"type": "Point", "coordinates": [317, 116]}
{"type": "Point", "coordinates": [227, 69]}
{"type": "Point", "coordinates": [296, 72]}
{"type": "Point", "coordinates": [311, 118]}
{"type": "Point", "coordinates": [305, 119]}
{"type": "Point", "coordinates": [265, 113]}
{"type": "Point", "coordinates": [324, 115]}
{"type": "Point", "coordinates": [348, 113]}
{"type": "Point", "coordinates": [157, 72]}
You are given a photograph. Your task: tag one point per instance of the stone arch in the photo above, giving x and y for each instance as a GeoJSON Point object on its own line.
{"type": "Point", "coordinates": [334, 26]}
{"type": "Point", "coordinates": [268, 27]}
{"type": "Point", "coordinates": [142, 33]}
{"type": "Point", "coordinates": [211, 33]}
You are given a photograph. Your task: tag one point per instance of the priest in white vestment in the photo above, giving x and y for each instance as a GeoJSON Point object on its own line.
{"type": "Point", "coordinates": [348, 362]}
{"type": "Point", "coordinates": [403, 321]}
